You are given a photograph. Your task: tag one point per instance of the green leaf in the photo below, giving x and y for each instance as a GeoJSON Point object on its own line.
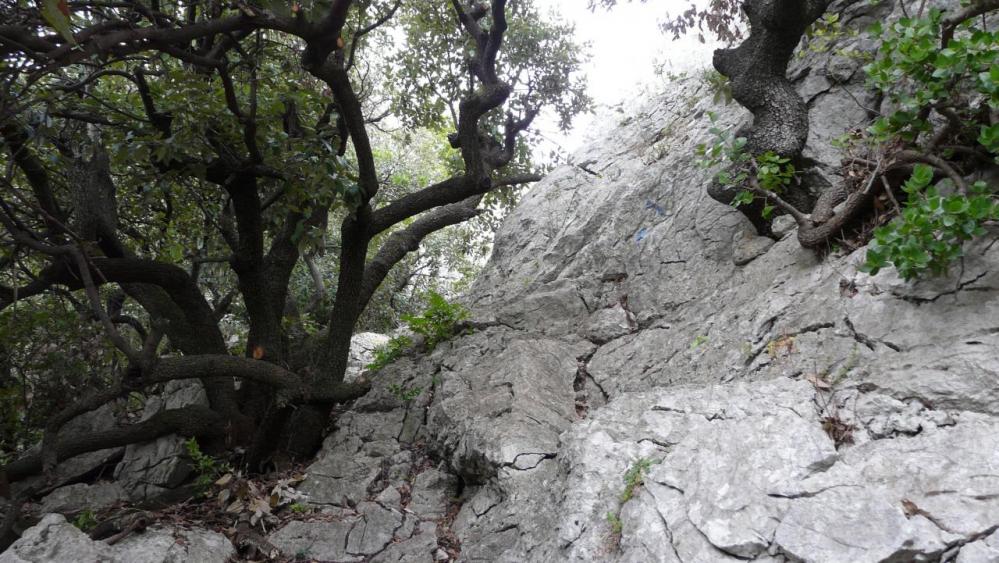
{"type": "Point", "coordinates": [744, 197]}
{"type": "Point", "coordinates": [56, 13]}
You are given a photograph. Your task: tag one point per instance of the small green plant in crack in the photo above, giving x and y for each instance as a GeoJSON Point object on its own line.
{"type": "Point", "coordinates": [207, 468]}
{"type": "Point", "coordinates": [635, 477]}
{"type": "Point", "coordinates": [699, 340]}
{"type": "Point", "coordinates": [615, 523]}
{"type": "Point", "coordinates": [851, 362]}
{"type": "Point", "coordinates": [839, 429]}
{"type": "Point", "coordinates": [298, 508]}
{"type": "Point", "coordinates": [437, 322]}
{"type": "Point", "coordinates": [404, 393]}
{"type": "Point", "coordinates": [390, 352]}
{"type": "Point", "coordinates": [85, 521]}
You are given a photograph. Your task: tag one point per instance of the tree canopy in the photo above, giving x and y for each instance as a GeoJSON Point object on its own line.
{"type": "Point", "coordinates": [179, 177]}
{"type": "Point", "coordinates": [723, 19]}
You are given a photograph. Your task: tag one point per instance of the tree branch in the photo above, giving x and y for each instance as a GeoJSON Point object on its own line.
{"type": "Point", "coordinates": [186, 421]}
{"type": "Point", "coordinates": [950, 23]}
{"type": "Point", "coordinates": [936, 162]}
{"type": "Point", "coordinates": [408, 240]}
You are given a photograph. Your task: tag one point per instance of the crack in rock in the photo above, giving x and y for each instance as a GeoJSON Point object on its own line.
{"type": "Point", "coordinates": [918, 300]}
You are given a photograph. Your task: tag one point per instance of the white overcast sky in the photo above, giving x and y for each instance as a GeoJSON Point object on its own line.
{"type": "Point", "coordinates": [625, 42]}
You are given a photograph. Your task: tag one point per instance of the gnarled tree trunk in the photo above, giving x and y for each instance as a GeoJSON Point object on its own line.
{"type": "Point", "coordinates": [757, 70]}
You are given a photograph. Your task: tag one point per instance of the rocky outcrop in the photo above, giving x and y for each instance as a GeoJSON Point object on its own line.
{"type": "Point", "coordinates": [54, 539]}
{"type": "Point", "coordinates": [153, 469]}
{"type": "Point", "coordinates": [756, 401]}
{"type": "Point", "coordinates": [748, 471]}
{"type": "Point", "coordinates": [362, 353]}
{"type": "Point", "coordinates": [650, 381]}
{"type": "Point", "coordinates": [73, 499]}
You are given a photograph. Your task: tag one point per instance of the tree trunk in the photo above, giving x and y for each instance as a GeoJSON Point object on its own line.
{"type": "Point", "coordinates": [757, 70]}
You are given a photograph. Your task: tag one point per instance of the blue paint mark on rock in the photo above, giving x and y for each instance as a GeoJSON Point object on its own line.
{"type": "Point", "coordinates": [640, 235]}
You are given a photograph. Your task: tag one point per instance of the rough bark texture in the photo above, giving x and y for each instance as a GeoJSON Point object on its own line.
{"type": "Point", "coordinates": [757, 70]}
{"type": "Point", "coordinates": [76, 230]}
{"type": "Point", "coordinates": [188, 421]}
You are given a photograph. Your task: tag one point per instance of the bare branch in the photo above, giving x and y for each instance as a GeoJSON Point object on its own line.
{"type": "Point", "coordinates": [936, 162]}
{"type": "Point", "coordinates": [975, 9]}
{"type": "Point", "coordinates": [368, 29]}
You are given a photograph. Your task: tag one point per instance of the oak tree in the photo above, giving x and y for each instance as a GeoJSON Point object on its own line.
{"type": "Point", "coordinates": [168, 165]}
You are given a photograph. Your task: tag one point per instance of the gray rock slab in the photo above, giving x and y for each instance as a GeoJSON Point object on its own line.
{"type": "Point", "coordinates": [502, 402]}
{"type": "Point", "coordinates": [432, 493]}
{"type": "Point", "coordinates": [316, 540]}
{"type": "Point", "coordinates": [81, 496]}
{"type": "Point", "coordinates": [375, 530]}
{"type": "Point", "coordinates": [151, 469]}
{"type": "Point", "coordinates": [609, 323]}
{"type": "Point", "coordinates": [418, 548]}
{"type": "Point", "coordinates": [175, 546]}
{"type": "Point", "coordinates": [54, 539]}
{"type": "Point", "coordinates": [985, 550]}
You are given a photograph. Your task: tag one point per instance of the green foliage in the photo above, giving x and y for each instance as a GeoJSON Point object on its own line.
{"type": "Point", "coordinates": [48, 357]}
{"type": "Point", "coordinates": [824, 33]}
{"type": "Point", "coordinates": [436, 323]}
{"type": "Point", "coordinates": [919, 77]}
{"type": "Point", "coordinates": [725, 149]}
{"type": "Point", "coordinates": [390, 352]}
{"type": "Point", "coordinates": [85, 520]}
{"type": "Point", "coordinates": [298, 507]}
{"type": "Point", "coordinates": [404, 393]}
{"type": "Point", "coordinates": [989, 138]}
{"type": "Point", "coordinates": [615, 523]}
{"type": "Point", "coordinates": [540, 61]}
{"type": "Point", "coordinates": [207, 468]}
{"type": "Point", "coordinates": [635, 477]}
{"type": "Point", "coordinates": [929, 235]}
{"type": "Point", "coordinates": [916, 74]}
{"type": "Point", "coordinates": [773, 172]}
{"type": "Point", "coordinates": [719, 84]}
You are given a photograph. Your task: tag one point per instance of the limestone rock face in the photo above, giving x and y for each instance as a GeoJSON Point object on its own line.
{"type": "Point", "coordinates": [650, 381]}
{"type": "Point", "coordinates": [82, 496]}
{"type": "Point", "coordinates": [362, 353]}
{"type": "Point", "coordinates": [653, 382]}
{"type": "Point", "coordinates": [154, 468]}
{"type": "Point", "coordinates": [54, 539]}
